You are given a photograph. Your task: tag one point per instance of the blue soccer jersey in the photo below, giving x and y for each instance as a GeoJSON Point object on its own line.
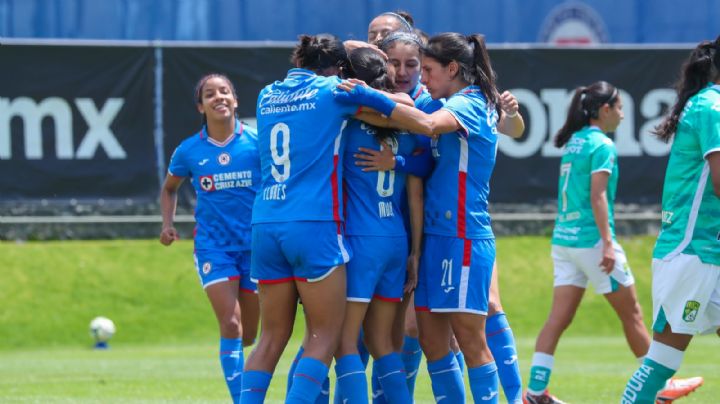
{"type": "Point", "coordinates": [423, 100]}
{"type": "Point", "coordinates": [373, 199]}
{"type": "Point", "coordinates": [226, 177]}
{"type": "Point", "coordinates": [300, 127]}
{"type": "Point", "coordinates": [456, 194]}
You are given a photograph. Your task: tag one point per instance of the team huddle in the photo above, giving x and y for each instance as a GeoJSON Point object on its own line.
{"type": "Point", "coordinates": [363, 195]}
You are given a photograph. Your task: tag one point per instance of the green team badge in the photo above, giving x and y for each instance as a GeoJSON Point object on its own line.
{"type": "Point", "coordinates": [691, 311]}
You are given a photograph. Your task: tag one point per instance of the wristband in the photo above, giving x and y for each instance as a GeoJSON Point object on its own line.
{"type": "Point", "coordinates": [513, 115]}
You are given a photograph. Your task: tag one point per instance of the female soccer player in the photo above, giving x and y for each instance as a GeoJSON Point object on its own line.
{"type": "Point", "coordinates": [584, 246]}
{"type": "Point", "coordinates": [223, 163]}
{"type": "Point", "coordinates": [686, 259]}
{"type": "Point", "coordinates": [297, 241]}
{"type": "Point", "coordinates": [387, 23]}
{"type": "Point", "coordinates": [404, 56]}
{"type": "Point", "coordinates": [377, 236]}
{"type": "Point", "coordinates": [457, 261]}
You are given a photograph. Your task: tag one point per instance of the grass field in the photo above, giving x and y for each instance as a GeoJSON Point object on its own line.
{"type": "Point", "coordinates": [165, 348]}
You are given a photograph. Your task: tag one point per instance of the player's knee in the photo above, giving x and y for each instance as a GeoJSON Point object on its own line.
{"type": "Point", "coordinates": [432, 346]}
{"type": "Point", "coordinates": [248, 339]}
{"type": "Point", "coordinates": [230, 327]}
{"type": "Point", "coordinates": [411, 329]}
{"type": "Point", "coordinates": [494, 307]}
{"type": "Point", "coordinates": [561, 322]}
{"type": "Point", "coordinates": [378, 344]}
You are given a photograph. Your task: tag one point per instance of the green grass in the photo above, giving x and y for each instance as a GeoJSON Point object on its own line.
{"type": "Point", "coordinates": [165, 347]}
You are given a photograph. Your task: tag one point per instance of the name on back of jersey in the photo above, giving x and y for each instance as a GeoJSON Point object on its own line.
{"type": "Point", "coordinates": [575, 145]}
{"type": "Point", "coordinates": [232, 179]}
{"type": "Point", "coordinates": [279, 101]}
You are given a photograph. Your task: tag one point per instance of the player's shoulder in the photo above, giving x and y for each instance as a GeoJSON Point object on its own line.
{"type": "Point", "coordinates": [706, 101]}
{"type": "Point", "coordinates": [190, 142]}
{"type": "Point", "coordinates": [249, 131]}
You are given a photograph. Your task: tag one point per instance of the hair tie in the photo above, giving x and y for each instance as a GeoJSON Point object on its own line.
{"type": "Point", "coordinates": [400, 18]}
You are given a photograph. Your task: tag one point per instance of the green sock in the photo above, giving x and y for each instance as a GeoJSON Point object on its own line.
{"type": "Point", "coordinates": [646, 382]}
{"type": "Point", "coordinates": [540, 370]}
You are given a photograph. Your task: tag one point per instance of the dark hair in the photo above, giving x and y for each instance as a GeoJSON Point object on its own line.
{"type": "Point", "coordinates": [201, 83]}
{"type": "Point", "coordinates": [422, 35]}
{"type": "Point", "coordinates": [403, 17]}
{"type": "Point", "coordinates": [585, 104]}
{"type": "Point", "coordinates": [702, 66]}
{"type": "Point", "coordinates": [471, 55]}
{"type": "Point", "coordinates": [319, 52]}
{"type": "Point", "coordinates": [407, 17]}
{"type": "Point", "coordinates": [369, 66]}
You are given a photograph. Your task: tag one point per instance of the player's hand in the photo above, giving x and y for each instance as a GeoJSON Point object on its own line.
{"type": "Point", "coordinates": [351, 45]}
{"type": "Point", "coordinates": [608, 258]}
{"type": "Point", "coordinates": [375, 160]}
{"type": "Point", "coordinates": [413, 262]}
{"type": "Point", "coordinates": [508, 103]}
{"type": "Point", "coordinates": [349, 84]}
{"type": "Point", "coordinates": [168, 235]}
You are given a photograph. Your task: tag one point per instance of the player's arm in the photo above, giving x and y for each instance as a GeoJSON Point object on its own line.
{"type": "Point", "coordinates": [714, 163]}
{"type": "Point", "coordinates": [599, 203]}
{"type": "Point", "coordinates": [168, 204]}
{"type": "Point", "coordinates": [404, 116]}
{"type": "Point", "coordinates": [416, 205]}
{"type": "Point", "coordinates": [418, 163]}
{"type": "Point", "coordinates": [511, 123]}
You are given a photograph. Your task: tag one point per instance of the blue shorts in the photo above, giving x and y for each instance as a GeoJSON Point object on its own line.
{"type": "Point", "coordinates": [215, 266]}
{"type": "Point", "coordinates": [378, 268]}
{"type": "Point", "coordinates": [455, 275]}
{"type": "Point", "coordinates": [296, 251]}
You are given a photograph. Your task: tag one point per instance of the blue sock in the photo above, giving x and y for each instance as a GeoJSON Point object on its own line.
{"type": "Point", "coordinates": [378, 395]}
{"type": "Point", "coordinates": [351, 379]}
{"type": "Point", "coordinates": [310, 374]}
{"type": "Point", "coordinates": [324, 396]}
{"type": "Point", "coordinates": [484, 383]}
{"type": "Point", "coordinates": [446, 379]}
{"type": "Point", "coordinates": [254, 386]}
{"type": "Point", "coordinates": [391, 374]}
{"type": "Point", "coordinates": [293, 365]}
{"type": "Point", "coordinates": [362, 349]}
{"type": "Point", "coordinates": [502, 345]}
{"type": "Point", "coordinates": [231, 360]}
{"type": "Point", "coordinates": [460, 360]}
{"type": "Point", "coordinates": [411, 357]}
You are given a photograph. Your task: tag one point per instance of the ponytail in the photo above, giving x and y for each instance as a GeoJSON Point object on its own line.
{"type": "Point", "coordinates": [701, 67]}
{"type": "Point", "coordinates": [484, 75]}
{"type": "Point", "coordinates": [585, 104]}
{"type": "Point", "coordinates": [577, 117]}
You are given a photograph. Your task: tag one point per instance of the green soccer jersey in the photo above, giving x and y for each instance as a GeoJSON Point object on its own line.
{"type": "Point", "coordinates": [690, 208]}
{"type": "Point", "coordinates": [588, 151]}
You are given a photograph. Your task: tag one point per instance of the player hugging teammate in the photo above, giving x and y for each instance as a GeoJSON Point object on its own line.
{"type": "Point", "coordinates": [370, 178]}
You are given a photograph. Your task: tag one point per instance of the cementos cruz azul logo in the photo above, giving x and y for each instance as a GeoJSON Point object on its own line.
{"type": "Point", "coordinates": [573, 23]}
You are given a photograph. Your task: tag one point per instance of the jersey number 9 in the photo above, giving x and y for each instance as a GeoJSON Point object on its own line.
{"type": "Point", "coordinates": [280, 160]}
